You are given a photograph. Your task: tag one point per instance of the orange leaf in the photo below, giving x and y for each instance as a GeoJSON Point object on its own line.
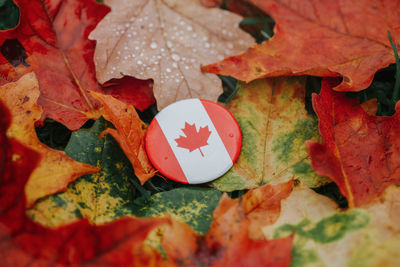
{"type": "Point", "coordinates": [55, 169]}
{"type": "Point", "coordinates": [321, 38]}
{"type": "Point", "coordinates": [129, 133]}
{"type": "Point", "coordinates": [24, 242]}
{"type": "Point", "coordinates": [235, 237]}
{"type": "Point", "coordinates": [361, 152]}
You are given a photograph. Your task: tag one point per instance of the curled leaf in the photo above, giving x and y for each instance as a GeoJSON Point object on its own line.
{"type": "Point", "coordinates": [129, 133]}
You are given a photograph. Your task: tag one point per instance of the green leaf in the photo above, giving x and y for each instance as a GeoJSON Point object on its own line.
{"type": "Point", "coordinates": [275, 124]}
{"type": "Point", "coordinates": [191, 205]}
{"type": "Point", "coordinates": [116, 192]}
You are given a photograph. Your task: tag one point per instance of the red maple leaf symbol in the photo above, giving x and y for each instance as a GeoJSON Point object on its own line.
{"type": "Point", "coordinates": [193, 140]}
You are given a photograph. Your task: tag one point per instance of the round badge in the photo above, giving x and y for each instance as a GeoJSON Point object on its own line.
{"type": "Point", "coordinates": [193, 141]}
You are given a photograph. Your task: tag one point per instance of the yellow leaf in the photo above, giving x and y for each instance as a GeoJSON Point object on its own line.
{"type": "Point", "coordinates": [275, 125]}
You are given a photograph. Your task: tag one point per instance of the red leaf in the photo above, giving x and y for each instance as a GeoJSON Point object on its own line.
{"type": "Point", "coordinates": [54, 34]}
{"type": "Point", "coordinates": [23, 242]}
{"type": "Point", "coordinates": [361, 152]}
{"type": "Point", "coordinates": [193, 140]}
{"type": "Point", "coordinates": [321, 38]}
{"type": "Point", "coordinates": [131, 91]}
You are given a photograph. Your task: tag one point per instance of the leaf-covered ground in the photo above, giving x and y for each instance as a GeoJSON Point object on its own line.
{"type": "Point", "coordinates": [316, 183]}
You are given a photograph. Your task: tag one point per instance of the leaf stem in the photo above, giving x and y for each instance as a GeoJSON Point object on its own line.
{"type": "Point", "coordinates": [396, 89]}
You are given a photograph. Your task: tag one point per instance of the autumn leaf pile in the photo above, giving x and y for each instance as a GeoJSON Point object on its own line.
{"type": "Point", "coordinates": [317, 182]}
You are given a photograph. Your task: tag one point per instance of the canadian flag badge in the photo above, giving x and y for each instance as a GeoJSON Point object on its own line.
{"type": "Point", "coordinates": [193, 141]}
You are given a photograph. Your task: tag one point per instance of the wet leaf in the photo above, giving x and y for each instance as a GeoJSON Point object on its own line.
{"type": "Point", "coordinates": [360, 152]}
{"type": "Point", "coordinates": [129, 133]}
{"type": "Point", "coordinates": [166, 41]}
{"type": "Point", "coordinates": [322, 39]}
{"type": "Point", "coordinates": [275, 125]}
{"type": "Point", "coordinates": [234, 236]}
{"type": "Point", "coordinates": [24, 242]}
{"type": "Point", "coordinates": [55, 170]}
{"type": "Point", "coordinates": [327, 236]}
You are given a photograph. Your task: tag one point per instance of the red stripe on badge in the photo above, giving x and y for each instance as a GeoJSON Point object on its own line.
{"type": "Point", "coordinates": [227, 127]}
{"type": "Point", "coordinates": [161, 154]}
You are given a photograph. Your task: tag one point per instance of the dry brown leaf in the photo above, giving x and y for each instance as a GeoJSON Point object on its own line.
{"type": "Point", "coordinates": [168, 41]}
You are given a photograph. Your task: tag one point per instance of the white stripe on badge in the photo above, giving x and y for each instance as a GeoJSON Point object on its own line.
{"type": "Point", "coordinates": [197, 169]}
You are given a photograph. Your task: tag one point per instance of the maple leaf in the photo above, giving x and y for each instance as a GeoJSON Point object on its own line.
{"type": "Point", "coordinates": [55, 169]}
{"type": "Point", "coordinates": [273, 149]}
{"type": "Point", "coordinates": [59, 52]}
{"type": "Point", "coordinates": [321, 39]}
{"type": "Point", "coordinates": [167, 41]}
{"type": "Point", "coordinates": [24, 242]}
{"type": "Point", "coordinates": [325, 235]}
{"type": "Point", "coordinates": [360, 151]}
{"type": "Point", "coordinates": [194, 139]}
{"type": "Point", "coordinates": [235, 237]}
{"type": "Point", "coordinates": [129, 133]}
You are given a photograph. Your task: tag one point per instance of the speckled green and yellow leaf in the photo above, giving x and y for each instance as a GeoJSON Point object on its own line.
{"type": "Point", "coordinates": [275, 124]}
{"type": "Point", "coordinates": [192, 205]}
{"type": "Point", "coordinates": [327, 236]}
{"type": "Point", "coordinates": [100, 197]}
{"type": "Point", "coordinates": [110, 194]}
